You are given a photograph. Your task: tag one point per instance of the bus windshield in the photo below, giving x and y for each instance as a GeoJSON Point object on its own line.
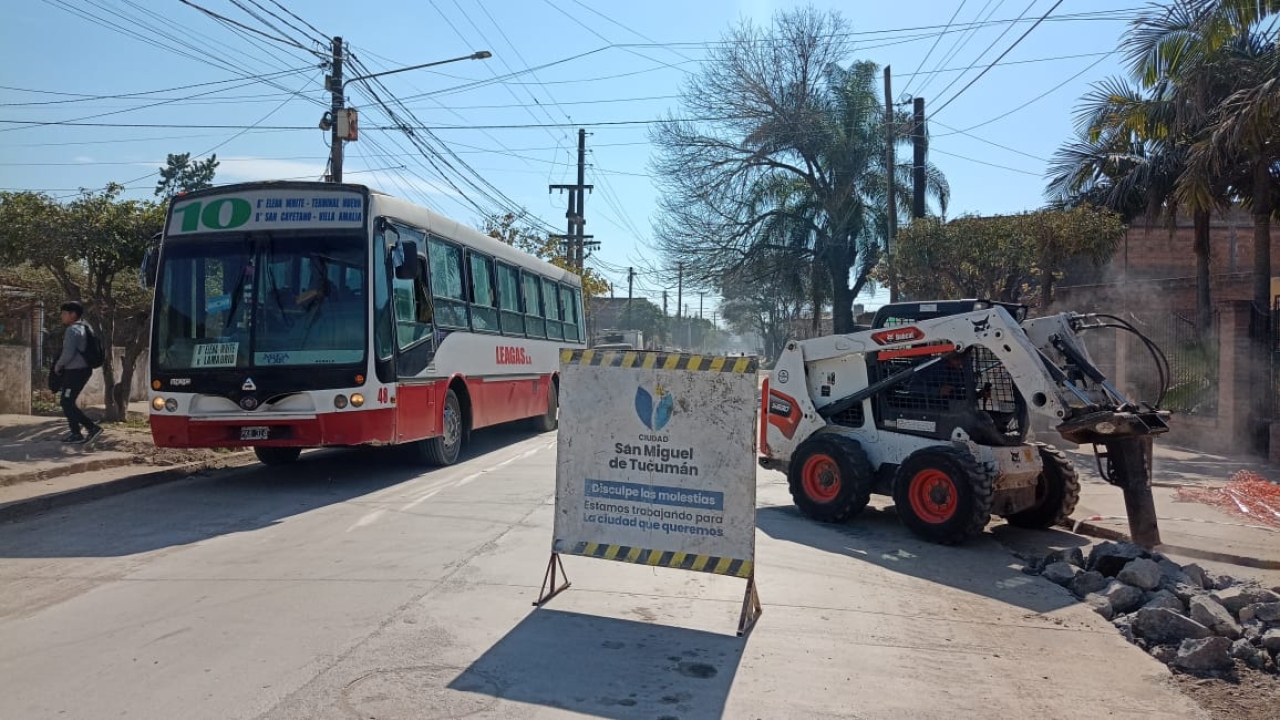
{"type": "Point", "coordinates": [261, 300]}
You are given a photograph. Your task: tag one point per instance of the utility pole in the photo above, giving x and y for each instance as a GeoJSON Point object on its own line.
{"type": "Point", "coordinates": [631, 279]}
{"type": "Point", "coordinates": [680, 296]}
{"type": "Point", "coordinates": [334, 82]}
{"type": "Point", "coordinates": [343, 124]}
{"type": "Point", "coordinates": [917, 169]}
{"type": "Point", "coordinates": [664, 303]}
{"type": "Point", "coordinates": [890, 167]}
{"type": "Point", "coordinates": [688, 329]}
{"type": "Point", "coordinates": [700, 294]}
{"type": "Point", "coordinates": [575, 240]}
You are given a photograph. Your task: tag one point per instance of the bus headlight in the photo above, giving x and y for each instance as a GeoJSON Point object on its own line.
{"type": "Point", "coordinates": [339, 401]}
{"type": "Point", "coordinates": [171, 405]}
{"type": "Point", "coordinates": [357, 399]}
{"type": "Point", "coordinates": [157, 403]}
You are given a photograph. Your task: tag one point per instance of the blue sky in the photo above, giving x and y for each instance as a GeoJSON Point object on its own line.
{"type": "Point", "coordinates": [595, 62]}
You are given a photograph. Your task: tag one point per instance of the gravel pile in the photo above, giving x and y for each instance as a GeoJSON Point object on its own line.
{"type": "Point", "coordinates": [1182, 615]}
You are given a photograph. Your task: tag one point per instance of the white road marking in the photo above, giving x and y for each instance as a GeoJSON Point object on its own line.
{"type": "Point", "coordinates": [368, 519]}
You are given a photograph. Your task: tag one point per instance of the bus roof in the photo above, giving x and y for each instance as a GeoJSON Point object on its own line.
{"type": "Point", "coordinates": [383, 204]}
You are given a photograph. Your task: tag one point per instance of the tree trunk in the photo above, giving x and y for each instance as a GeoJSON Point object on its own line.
{"type": "Point", "coordinates": [1262, 204]}
{"type": "Point", "coordinates": [841, 301]}
{"type": "Point", "coordinates": [1200, 246]}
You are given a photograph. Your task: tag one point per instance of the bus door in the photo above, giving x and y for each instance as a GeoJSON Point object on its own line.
{"type": "Point", "coordinates": [417, 404]}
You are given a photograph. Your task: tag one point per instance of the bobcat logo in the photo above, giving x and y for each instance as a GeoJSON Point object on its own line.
{"type": "Point", "coordinates": [981, 326]}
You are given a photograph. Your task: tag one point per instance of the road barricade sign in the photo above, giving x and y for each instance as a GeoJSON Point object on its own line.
{"type": "Point", "coordinates": [656, 464]}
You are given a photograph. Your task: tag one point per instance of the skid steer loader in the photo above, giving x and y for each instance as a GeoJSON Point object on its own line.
{"type": "Point", "coordinates": [932, 405]}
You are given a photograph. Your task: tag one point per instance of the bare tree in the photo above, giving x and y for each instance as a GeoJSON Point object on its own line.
{"type": "Point", "coordinates": [780, 149]}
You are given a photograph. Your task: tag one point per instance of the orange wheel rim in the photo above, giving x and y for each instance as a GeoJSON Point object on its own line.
{"type": "Point", "coordinates": [821, 478]}
{"type": "Point", "coordinates": [933, 496]}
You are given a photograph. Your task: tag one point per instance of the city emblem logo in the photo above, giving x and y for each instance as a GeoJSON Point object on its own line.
{"type": "Point", "coordinates": [654, 409]}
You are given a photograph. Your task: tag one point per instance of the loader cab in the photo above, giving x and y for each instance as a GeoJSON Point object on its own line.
{"type": "Point", "coordinates": [905, 313]}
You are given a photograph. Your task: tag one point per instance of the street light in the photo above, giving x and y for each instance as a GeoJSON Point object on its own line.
{"type": "Point", "coordinates": [478, 55]}
{"type": "Point", "coordinates": [337, 87]}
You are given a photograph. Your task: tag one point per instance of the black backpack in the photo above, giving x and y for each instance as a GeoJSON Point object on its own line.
{"type": "Point", "coordinates": [93, 352]}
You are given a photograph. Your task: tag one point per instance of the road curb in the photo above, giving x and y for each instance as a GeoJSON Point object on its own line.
{"type": "Point", "coordinates": [27, 507]}
{"type": "Point", "coordinates": [91, 465]}
{"type": "Point", "coordinates": [1082, 527]}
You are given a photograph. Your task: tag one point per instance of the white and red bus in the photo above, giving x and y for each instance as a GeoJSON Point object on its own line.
{"type": "Point", "coordinates": [293, 315]}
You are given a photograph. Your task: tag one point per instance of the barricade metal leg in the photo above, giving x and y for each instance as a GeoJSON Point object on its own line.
{"type": "Point", "coordinates": [751, 608]}
{"type": "Point", "coordinates": [549, 588]}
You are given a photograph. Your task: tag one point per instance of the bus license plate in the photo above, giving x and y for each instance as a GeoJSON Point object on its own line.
{"type": "Point", "coordinates": [260, 432]}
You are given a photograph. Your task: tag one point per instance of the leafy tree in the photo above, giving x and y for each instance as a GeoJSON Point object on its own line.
{"type": "Point", "coordinates": [1012, 258]}
{"type": "Point", "coordinates": [767, 298]}
{"type": "Point", "coordinates": [92, 248]}
{"type": "Point", "coordinates": [180, 174]}
{"type": "Point", "coordinates": [787, 155]}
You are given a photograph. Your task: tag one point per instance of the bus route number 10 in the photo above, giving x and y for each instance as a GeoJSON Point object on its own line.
{"type": "Point", "coordinates": [195, 214]}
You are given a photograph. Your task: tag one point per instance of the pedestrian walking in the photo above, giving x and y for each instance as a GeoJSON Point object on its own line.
{"type": "Point", "coordinates": [73, 368]}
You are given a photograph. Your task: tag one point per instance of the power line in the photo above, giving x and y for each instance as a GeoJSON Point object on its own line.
{"type": "Point", "coordinates": [1046, 93]}
{"type": "Point", "coordinates": [989, 142]}
{"type": "Point", "coordinates": [984, 162]}
{"type": "Point", "coordinates": [934, 46]}
{"type": "Point", "coordinates": [1006, 52]}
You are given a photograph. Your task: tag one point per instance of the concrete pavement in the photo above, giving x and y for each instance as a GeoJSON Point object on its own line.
{"type": "Point", "coordinates": [351, 585]}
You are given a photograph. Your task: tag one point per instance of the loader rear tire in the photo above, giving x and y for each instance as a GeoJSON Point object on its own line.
{"type": "Point", "coordinates": [942, 495]}
{"type": "Point", "coordinates": [1057, 492]}
{"type": "Point", "coordinates": [830, 478]}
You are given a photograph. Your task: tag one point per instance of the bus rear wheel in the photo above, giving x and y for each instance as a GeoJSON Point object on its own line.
{"type": "Point", "coordinates": [549, 420]}
{"type": "Point", "coordinates": [277, 455]}
{"type": "Point", "coordinates": [445, 448]}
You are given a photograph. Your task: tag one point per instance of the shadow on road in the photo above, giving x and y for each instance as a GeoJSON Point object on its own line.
{"type": "Point", "coordinates": [608, 668]}
{"type": "Point", "coordinates": [979, 566]}
{"type": "Point", "coordinates": [222, 502]}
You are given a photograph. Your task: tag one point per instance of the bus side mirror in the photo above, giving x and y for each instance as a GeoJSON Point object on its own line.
{"type": "Point", "coordinates": [405, 257]}
{"type": "Point", "coordinates": [150, 264]}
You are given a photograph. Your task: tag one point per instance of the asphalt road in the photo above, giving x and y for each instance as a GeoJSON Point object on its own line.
{"type": "Point", "coordinates": [354, 585]}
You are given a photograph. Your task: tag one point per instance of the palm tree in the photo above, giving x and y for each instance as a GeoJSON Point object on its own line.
{"type": "Point", "coordinates": [1128, 156]}
{"type": "Point", "coordinates": [1221, 70]}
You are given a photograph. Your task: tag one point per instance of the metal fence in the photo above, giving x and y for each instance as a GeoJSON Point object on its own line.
{"type": "Point", "coordinates": [1193, 362]}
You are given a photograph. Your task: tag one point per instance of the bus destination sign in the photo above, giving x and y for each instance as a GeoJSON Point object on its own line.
{"type": "Point", "coordinates": [276, 209]}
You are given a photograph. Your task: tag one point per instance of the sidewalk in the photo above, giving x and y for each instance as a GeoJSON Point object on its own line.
{"type": "Point", "coordinates": [1190, 531]}
{"type": "Point", "coordinates": [38, 472]}
{"type": "Point", "coordinates": [31, 449]}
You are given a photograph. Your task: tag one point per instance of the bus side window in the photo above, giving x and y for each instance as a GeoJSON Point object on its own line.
{"type": "Point", "coordinates": [509, 300]}
{"type": "Point", "coordinates": [570, 314]}
{"type": "Point", "coordinates": [446, 283]}
{"type": "Point", "coordinates": [484, 301]}
{"type": "Point", "coordinates": [534, 324]}
{"type": "Point", "coordinates": [551, 301]}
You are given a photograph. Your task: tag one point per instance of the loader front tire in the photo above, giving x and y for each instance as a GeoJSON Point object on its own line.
{"type": "Point", "coordinates": [830, 478]}
{"type": "Point", "coordinates": [1057, 492]}
{"type": "Point", "coordinates": [942, 495]}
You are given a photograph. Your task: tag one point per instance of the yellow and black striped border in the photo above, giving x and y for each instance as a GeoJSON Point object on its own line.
{"type": "Point", "coordinates": [659, 558]}
{"type": "Point", "coordinates": [659, 360]}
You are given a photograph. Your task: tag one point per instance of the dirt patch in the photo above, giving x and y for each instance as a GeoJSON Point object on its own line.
{"type": "Point", "coordinates": [1243, 694]}
{"type": "Point", "coordinates": [134, 437]}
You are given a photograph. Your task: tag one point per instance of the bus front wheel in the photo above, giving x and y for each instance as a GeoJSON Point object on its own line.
{"type": "Point", "coordinates": [445, 448]}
